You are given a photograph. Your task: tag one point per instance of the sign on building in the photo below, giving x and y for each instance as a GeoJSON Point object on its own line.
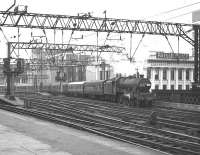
{"type": "Point", "coordinates": [163, 55]}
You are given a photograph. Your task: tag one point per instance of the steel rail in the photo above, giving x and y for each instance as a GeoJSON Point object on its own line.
{"type": "Point", "coordinates": [191, 148]}
{"type": "Point", "coordinates": [77, 110]}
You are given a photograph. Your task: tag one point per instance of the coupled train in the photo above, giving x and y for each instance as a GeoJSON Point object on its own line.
{"type": "Point", "coordinates": [130, 90]}
{"type": "Point", "coordinates": [124, 90]}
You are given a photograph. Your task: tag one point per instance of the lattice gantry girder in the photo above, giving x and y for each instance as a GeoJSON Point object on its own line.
{"type": "Point", "coordinates": [66, 47]}
{"type": "Point", "coordinates": [80, 23]}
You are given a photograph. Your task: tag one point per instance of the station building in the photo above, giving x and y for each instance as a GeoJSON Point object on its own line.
{"type": "Point", "coordinates": [169, 71]}
{"type": "Point", "coordinates": [76, 68]}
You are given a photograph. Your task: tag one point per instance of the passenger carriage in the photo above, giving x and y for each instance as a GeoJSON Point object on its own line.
{"type": "Point", "coordinates": [75, 88]}
{"type": "Point", "coordinates": [94, 89]}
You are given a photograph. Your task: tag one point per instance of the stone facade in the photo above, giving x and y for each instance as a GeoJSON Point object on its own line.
{"type": "Point", "coordinates": [168, 71]}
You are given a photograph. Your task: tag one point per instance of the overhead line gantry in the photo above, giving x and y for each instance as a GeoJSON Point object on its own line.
{"type": "Point", "coordinates": [88, 23]}
{"type": "Point", "coordinates": [65, 47]}
{"type": "Point", "coordinates": [84, 23]}
{"type": "Point", "coordinates": [60, 49]}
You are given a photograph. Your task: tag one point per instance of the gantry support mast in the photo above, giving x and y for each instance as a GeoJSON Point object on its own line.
{"type": "Point", "coordinates": [88, 23]}
{"type": "Point", "coordinates": [197, 55]}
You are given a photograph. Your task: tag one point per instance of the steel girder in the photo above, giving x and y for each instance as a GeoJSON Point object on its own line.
{"type": "Point", "coordinates": [64, 48]}
{"type": "Point", "coordinates": [53, 62]}
{"type": "Point", "coordinates": [197, 54]}
{"type": "Point", "coordinates": [85, 23]}
{"type": "Point", "coordinates": [37, 64]}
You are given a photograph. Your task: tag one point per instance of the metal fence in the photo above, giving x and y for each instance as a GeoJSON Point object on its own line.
{"type": "Point", "coordinates": [178, 96]}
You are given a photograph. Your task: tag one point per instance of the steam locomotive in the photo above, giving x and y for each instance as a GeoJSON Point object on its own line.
{"type": "Point", "coordinates": [133, 91]}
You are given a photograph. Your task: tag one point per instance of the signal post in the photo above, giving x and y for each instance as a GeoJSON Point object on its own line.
{"type": "Point", "coordinates": [11, 73]}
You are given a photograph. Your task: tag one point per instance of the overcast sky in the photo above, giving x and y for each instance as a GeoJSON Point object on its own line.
{"type": "Point", "coordinates": [131, 9]}
{"type": "Point", "coordinates": [127, 9]}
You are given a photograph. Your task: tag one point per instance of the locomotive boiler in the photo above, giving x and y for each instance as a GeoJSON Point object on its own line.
{"type": "Point", "coordinates": [134, 91]}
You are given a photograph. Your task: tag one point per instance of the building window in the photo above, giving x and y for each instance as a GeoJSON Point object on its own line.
{"type": "Point", "coordinates": [164, 74]}
{"type": "Point", "coordinates": [164, 87]}
{"type": "Point", "coordinates": [107, 75]}
{"type": "Point", "coordinates": [172, 74]}
{"type": "Point", "coordinates": [23, 80]}
{"type": "Point", "coordinates": [172, 87]}
{"type": "Point", "coordinates": [102, 75]}
{"type": "Point", "coordinates": [180, 77]}
{"type": "Point", "coordinates": [156, 87]}
{"type": "Point", "coordinates": [148, 73]}
{"type": "Point", "coordinates": [187, 87]}
{"type": "Point", "coordinates": [17, 80]}
{"type": "Point", "coordinates": [180, 87]}
{"type": "Point", "coordinates": [187, 74]}
{"type": "Point", "coordinates": [157, 74]}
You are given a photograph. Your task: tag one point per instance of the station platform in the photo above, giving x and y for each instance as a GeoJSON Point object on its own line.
{"type": "Point", "coordinates": [16, 102]}
{"type": "Point", "coordinates": [24, 135]}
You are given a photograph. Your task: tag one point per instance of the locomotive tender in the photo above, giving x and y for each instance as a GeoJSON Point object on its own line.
{"type": "Point", "coordinates": [124, 90]}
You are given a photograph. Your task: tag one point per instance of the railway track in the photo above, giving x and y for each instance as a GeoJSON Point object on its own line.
{"type": "Point", "coordinates": [59, 107]}
{"type": "Point", "coordinates": [105, 126]}
{"type": "Point", "coordinates": [98, 119]}
{"type": "Point", "coordinates": [127, 130]}
{"type": "Point", "coordinates": [133, 114]}
{"type": "Point", "coordinates": [164, 113]}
